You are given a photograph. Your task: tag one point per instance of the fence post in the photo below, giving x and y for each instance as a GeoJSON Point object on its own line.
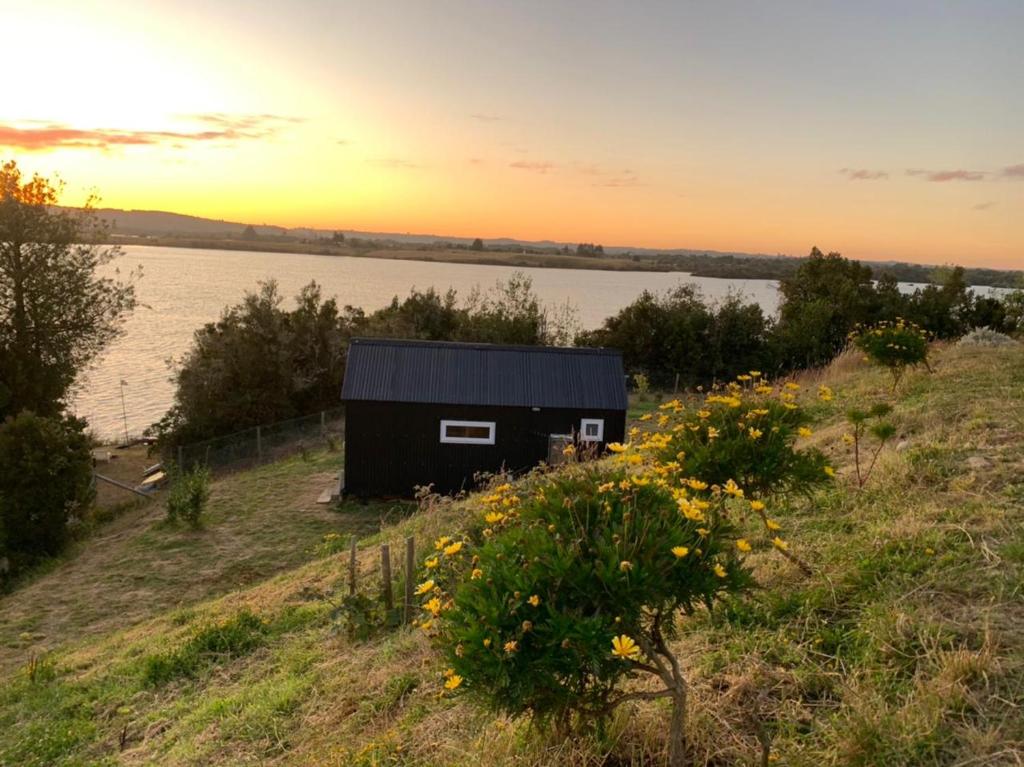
{"type": "Point", "coordinates": [410, 566]}
{"type": "Point", "coordinates": [259, 443]}
{"type": "Point", "coordinates": [385, 577]}
{"type": "Point", "coordinates": [353, 550]}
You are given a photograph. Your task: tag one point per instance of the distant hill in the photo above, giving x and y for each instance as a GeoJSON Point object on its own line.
{"type": "Point", "coordinates": [155, 223]}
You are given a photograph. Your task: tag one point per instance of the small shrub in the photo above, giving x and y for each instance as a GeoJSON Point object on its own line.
{"type": "Point", "coordinates": [895, 345]}
{"type": "Point", "coordinates": [575, 588]}
{"type": "Point", "coordinates": [188, 496]}
{"type": "Point", "coordinates": [868, 422]}
{"type": "Point", "coordinates": [746, 432]}
{"type": "Point", "coordinates": [986, 337]}
{"type": "Point", "coordinates": [641, 384]}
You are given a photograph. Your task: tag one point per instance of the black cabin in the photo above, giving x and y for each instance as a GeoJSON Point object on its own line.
{"type": "Point", "coordinates": [431, 412]}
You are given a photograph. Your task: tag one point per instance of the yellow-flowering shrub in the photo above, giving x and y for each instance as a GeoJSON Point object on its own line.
{"type": "Point", "coordinates": [895, 345]}
{"type": "Point", "coordinates": [746, 432]}
{"type": "Point", "coordinates": [574, 588]}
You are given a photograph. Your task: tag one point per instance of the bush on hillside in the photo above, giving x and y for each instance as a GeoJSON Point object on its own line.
{"type": "Point", "coordinates": [744, 432]}
{"type": "Point", "coordinates": [575, 588]}
{"type": "Point", "coordinates": [45, 485]}
{"type": "Point", "coordinates": [986, 337]}
{"type": "Point", "coordinates": [189, 493]}
{"type": "Point", "coordinates": [895, 345]}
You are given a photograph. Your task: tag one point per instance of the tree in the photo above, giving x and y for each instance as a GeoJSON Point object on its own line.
{"type": "Point", "coordinates": [822, 302]}
{"type": "Point", "coordinates": [249, 233]}
{"type": "Point", "coordinates": [338, 238]}
{"type": "Point", "coordinates": [478, 244]}
{"type": "Point", "coordinates": [56, 313]}
{"type": "Point", "coordinates": [45, 482]}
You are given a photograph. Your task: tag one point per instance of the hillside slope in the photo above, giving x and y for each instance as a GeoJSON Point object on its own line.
{"type": "Point", "coordinates": [905, 647]}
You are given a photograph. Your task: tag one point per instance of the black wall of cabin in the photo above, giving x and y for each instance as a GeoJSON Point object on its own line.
{"type": "Point", "coordinates": [392, 447]}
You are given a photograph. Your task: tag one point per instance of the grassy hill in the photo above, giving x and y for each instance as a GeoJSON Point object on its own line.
{"type": "Point", "coordinates": [158, 645]}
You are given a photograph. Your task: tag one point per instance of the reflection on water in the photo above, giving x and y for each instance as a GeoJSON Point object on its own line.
{"type": "Point", "coordinates": [181, 289]}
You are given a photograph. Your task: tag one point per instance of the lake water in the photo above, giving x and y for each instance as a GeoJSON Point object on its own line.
{"type": "Point", "coordinates": [181, 289]}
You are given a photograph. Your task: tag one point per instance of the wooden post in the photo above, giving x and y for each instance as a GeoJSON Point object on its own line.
{"type": "Point", "coordinates": [259, 443]}
{"type": "Point", "coordinates": [385, 577]}
{"type": "Point", "coordinates": [410, 572]}
{"type": "Point", "coordinates": [353, 551]}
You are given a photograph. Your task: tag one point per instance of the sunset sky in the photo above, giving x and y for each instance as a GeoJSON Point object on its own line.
{"type": "Point", "coordinates": [884, 130]}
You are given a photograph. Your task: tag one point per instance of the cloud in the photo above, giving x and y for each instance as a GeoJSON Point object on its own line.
{"type": "Point", "coordinates": [983, 206]}
{"type": "Point", "coordinates": [941, 176]}
{"type": "Point", "coordinates": [41, 137]}
{"type": "Point", "coordinates": [1013, 171]}
{"type": "Point", "coordinates": [627, 181]}
{"type": "Point", "coordinates": [536, 167]}
{"type": "Point", "coordinates": [395, 163]}
{"type": "Point", "coordinates": [863, 174]}
{"type": "Point", "coordinates": [606, 177]}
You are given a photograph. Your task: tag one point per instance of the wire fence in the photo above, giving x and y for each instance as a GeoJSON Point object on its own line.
{"type": "Point", "coordinates": [262, 444]}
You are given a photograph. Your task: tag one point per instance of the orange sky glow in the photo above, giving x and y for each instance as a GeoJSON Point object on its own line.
{"type": "Point", "coordinates": [726, 126]}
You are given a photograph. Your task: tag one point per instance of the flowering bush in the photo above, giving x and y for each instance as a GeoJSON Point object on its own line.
{"type": "Point", "coordinates": [745, 432]}
{"type": "Point", "coordinates": [895, 345]}
{"type": "Point", "coordinates": [575, 587]}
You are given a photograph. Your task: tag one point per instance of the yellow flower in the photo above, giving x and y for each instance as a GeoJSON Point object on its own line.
{"type": "Point", "coordinates": [494, 517]}
{"type": "Point", "coordinates": [431, 563]}
{"type": "Point", "coordinates": [702, 531]}
{"type": "Point", "coordinates": [640, 481]}
{"type": "Point", "coordinates": [780, 544]}
{"type": "Point", "coordinates": [487, 642]}
{"type": "Point", "coordinates": [757, 505]}
{"type": "Point", "coordinates": [680, 551]}
{"type": "Point", "coordinates": [617, 447]}
{"type": "Point", "coordinates": [425, 588]}
{"type": "Point", "coordinates": [731, 488]}
{"type": "Point", "coordinates": [824, 393]}
{"type": "Point", "coordinates": [696, 484]}
{"type": "Point", "coordinates": [704, 413]}
{"type": "Point", "coordinates": [452, 682]}
{"type": "Point", "coordinates": [712, 432]}
{"type": "Point", "coordinates": [441, 542]}
{"type": "Point", "coordinates": [569, 450]}
{"type": "Point", "coordinates": [476, 574]}
{"type": "Point", "coordinates": [453, 548]}
{"type": "Point", "coordinates": [511, 646]}
{"type": "Point", "coordinates": [624, 647]}
{"type": "Point", "coordinates": [803, 431]}
{"type": "Point", "coordinates": [743, 545]}
{"type": "Point", "coordinates": [755, 373]}
{"type": "Point", "coordinates": [754, 433]}
{"type": "Point", "coordinates": [792, 386]}
{"type": "Point", "coordinates": [848, 439]}
{"type": "Point", "coordinates": [534, 600]}
{"type": "Point", "coordinates": [433, 607]}
{"type": "Point", "coordinates": [772, 525]}
{"type": "Point", "coordinates": [645, 417]}
{"type": "Point", "coordinates": [604, 488]}
{"type": "Point", "coordinates": [830, 471]}
{"type": "Point", "coordinates": [625, 566]}
{"type": "Point", "coordinates": [719, 570]}
{"type": "Point", "coordinates": [634, 459]}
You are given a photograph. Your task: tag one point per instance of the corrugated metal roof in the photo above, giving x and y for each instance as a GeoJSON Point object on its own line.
{"type": "Point", "coordinates": [386, 370]}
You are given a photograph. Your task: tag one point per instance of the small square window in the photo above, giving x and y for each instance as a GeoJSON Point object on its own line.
{"type": "Point", "coordinates": [592, 429]}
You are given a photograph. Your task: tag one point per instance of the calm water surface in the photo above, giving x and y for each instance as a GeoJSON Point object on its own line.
{"type": "Point", "coordinates": [181, 289]}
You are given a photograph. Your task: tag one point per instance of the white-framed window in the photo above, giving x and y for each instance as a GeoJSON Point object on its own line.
{"type": "Point", "coordinates": [592, 429]}
{"type": "Point", "coordinates": [468, 432]}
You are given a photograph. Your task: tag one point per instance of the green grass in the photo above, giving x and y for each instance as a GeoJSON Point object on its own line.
{"type": "Point", "coordinates": [906, 646]}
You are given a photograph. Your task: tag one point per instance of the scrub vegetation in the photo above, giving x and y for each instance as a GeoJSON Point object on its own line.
{"type": "Point", "coordinates": [161, 645]}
